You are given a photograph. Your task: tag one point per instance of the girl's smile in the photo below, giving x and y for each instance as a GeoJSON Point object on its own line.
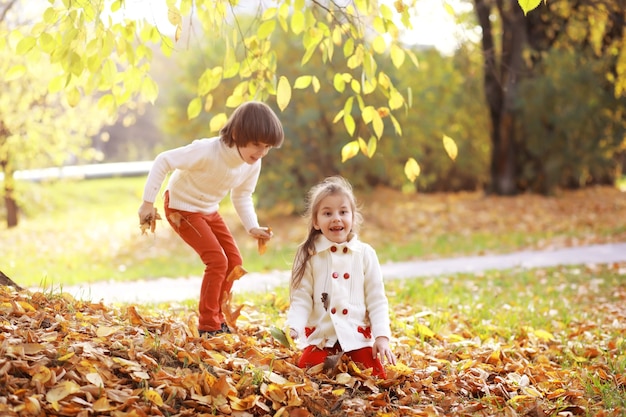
{"type": "Point", "coordinates": [334, 218]}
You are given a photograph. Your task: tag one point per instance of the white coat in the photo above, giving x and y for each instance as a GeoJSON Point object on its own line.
{"type": "Point", "coordinates": [341, 297]}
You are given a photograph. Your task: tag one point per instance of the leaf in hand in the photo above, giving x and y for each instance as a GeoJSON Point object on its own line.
{"type": "Point", "coordinates": [262, 242]}
{"type": "Point", "coordinates": [149, 223]}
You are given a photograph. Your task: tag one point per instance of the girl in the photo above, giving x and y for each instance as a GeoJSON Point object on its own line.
{"type": "Point", "coordinates": [338, 300]}
{"type": "Point", "coordinates": [203, 173]}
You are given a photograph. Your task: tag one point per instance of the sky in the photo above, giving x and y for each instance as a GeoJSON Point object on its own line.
{"type": "Point", "coordinates": [432, 24]}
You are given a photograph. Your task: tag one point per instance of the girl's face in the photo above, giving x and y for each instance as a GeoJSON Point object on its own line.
{"type": "Point", "coordinates": [252, 152]}
{"type": "Point", "coordinates": [334, 218]}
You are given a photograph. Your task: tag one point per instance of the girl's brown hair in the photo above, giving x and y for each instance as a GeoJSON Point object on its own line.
{"type": "Point", "coordinates": [330, 186]}
{"type": "Point", "coordinates": [253, 122]}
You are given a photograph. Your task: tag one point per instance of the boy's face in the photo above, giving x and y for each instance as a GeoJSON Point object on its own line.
{"type": "Point", "coordinates": [253, 152]}
{"type": "Point", "coordinates": [334, 218]}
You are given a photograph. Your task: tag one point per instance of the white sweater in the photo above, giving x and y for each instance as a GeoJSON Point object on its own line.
{"type": "Point", "coordinates": [203, 173]}
{"type": "Point", "coordinates": [351, 283]}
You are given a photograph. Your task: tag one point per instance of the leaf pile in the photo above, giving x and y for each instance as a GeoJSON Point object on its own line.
{"type": "Point", "coordinates": [61, 356]}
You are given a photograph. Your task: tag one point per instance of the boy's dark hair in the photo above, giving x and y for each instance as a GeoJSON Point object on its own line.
{"type": "Point", "coordinates": [253, 122]}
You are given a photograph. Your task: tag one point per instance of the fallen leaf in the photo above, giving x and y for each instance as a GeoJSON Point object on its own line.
{"type": "Point", "coordinates": [149, 223]}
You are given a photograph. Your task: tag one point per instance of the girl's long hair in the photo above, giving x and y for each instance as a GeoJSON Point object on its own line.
{"type": "Point", "coordinates": [330, 186]}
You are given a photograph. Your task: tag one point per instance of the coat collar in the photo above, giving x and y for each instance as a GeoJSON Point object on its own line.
{"type": "Point", "coordinates": [323, 244]}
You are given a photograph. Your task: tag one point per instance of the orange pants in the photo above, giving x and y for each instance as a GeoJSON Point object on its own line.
{"type": "Point", "coordinates": [312, 355]}
{"type": "Point", "coordinates": [210, 237]}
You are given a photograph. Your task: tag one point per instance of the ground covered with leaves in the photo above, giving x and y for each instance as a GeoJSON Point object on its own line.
{"type": "Point", "coordinates": [553, 345]}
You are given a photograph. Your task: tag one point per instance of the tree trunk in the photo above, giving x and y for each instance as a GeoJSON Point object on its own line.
{"type": "Point", "coordinates": [501, 77]}
{"type": "Point", "coordinates": [9, 195]}
{"type": "Point", "coordinates": [5, 280]}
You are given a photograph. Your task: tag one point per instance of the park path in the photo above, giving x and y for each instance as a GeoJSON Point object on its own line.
{"type": "Point", "coordinates": [179, 289]}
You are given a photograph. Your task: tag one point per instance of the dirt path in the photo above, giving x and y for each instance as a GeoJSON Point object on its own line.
{"type": "Point", "coordinates": [179, 289]}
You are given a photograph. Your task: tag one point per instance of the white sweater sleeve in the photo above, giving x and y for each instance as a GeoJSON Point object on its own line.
{"type": "Point", "coordinates": [184, 157]}
{"type": "Point", "coordinates": [241, 196]}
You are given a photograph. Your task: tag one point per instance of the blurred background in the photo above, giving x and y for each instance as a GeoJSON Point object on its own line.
{"type": "Point", "coordinates": [534, 106]}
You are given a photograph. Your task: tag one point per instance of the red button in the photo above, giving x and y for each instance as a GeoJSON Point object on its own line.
{"type": "Point", "coordinates": [345, 311]}
{"type": "Point", "coordinates": [346, 275]}
{"type": "Point", "coordinates": [333, 310]}
{"type": "Point", "coordinates": [335, 275]}
{"type": "Point", "coordinates": [345, 250]}
{"type": "Point", "coordinates": [333, 248]}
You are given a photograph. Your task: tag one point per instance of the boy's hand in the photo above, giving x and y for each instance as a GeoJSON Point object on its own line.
{"type": "Point", "coordinates": [148, 216]}
{"type": "Point", "coordinates": [263, 235]}
{"type": "Point", "coordinates": [261, 232]}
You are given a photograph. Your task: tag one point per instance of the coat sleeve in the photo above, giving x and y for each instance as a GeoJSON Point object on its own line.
{"type": "Point", "coordinates": [376, 301]}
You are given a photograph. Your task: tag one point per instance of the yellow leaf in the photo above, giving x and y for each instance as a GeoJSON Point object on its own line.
{"type": "Point", "coordinates": [450, 146]}
{"type": "Point", "coordinates": [339, 83]}
{"type": "Point", "coordinates": [14, 72]}
{"type": "Point", "coordinates": [65, 357]}
{"type": "Point", "coordinates": [154, 397]}
{"type": "Point", "coordinates": [401, 369]}
{"type": "Point", "coordinates": [25, 45]}
{"type": "Point", "coordinates": [194, 108]}
{"type": "Point", "coordinates": [395, 100]}
{"type": "Point", "coordinates": [283, 93]}
{"type": "Point", "coordinates": [316, 84]}
{"type": "Point", "coordinates": [297, 22]}
{"type": "Point", "coordinates": [411, 169]}
{"type": "Point", "coordinates": [368, 114]}
{"type": "Point", "coordinates": [217, 122]}
{"type": "Point", "coordinates": [302, 82]}
{"type": "Point", "coordinates": [371, 146]}
{"type": "Point", "coordinates": [149, 90]}
{"type": "Point", "coordinates": [62, 390]}
{"type": "Point", "coordinates": [174, 17]}
{"type": "Point", "coordinates": [95, 379]}
{"type": "Point", "coordinates": [449, 9]}
{"type": "Point", "coordinates": [339, 392]}
{"type": "Point", "coordinates": [544, 335]}
{"type": "Point", "coordinates": [73, 97]}
{"type": "Point", "coordinates": [57, 84]}
{"type": "Point", "coordinates": [102, 405]}
{"type": "Point", "coordinates": [42, 374]}
{"type": "Point", "coordinates": [397, 56]}
{"type": "Point", "coordinates": [266, 29]}
{"type": "Point", "coordinates": [528, 5]}
{"type": "Point", "coordinates": [105, 331]}
{"type": "Point", "coordinates": [379, 45]}
{"type": "Point", "coordinates": [349, 150]}
{"type": "Point", "coordinates": [350, 124]}
{"type": "Point", "coordinates": [424, 330]}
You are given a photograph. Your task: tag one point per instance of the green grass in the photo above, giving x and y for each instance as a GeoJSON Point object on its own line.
{"type": "Point", "coordinates": [85, 231]}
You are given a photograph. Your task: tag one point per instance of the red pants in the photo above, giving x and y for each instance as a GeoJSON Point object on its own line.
{"type": "Point", "coordinates": [312, 355]}
{"type": "Point", "coordinates": [210, 237]}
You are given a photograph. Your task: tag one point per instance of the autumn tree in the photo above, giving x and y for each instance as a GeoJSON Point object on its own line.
{"type": "Point", "coordinates": [38, 126]}
{"type": "Point", "coordinates": [99, 49]}
{"type": "Point", "coordinates": [517, 54]}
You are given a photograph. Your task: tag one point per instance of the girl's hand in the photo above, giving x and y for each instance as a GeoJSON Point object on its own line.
{"type": "Point", "coordinates": [261, 233]}
{"type": "Point", "coordinates": [381, 349]}
{"type": "Point", "coordinates": [293, 334]}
